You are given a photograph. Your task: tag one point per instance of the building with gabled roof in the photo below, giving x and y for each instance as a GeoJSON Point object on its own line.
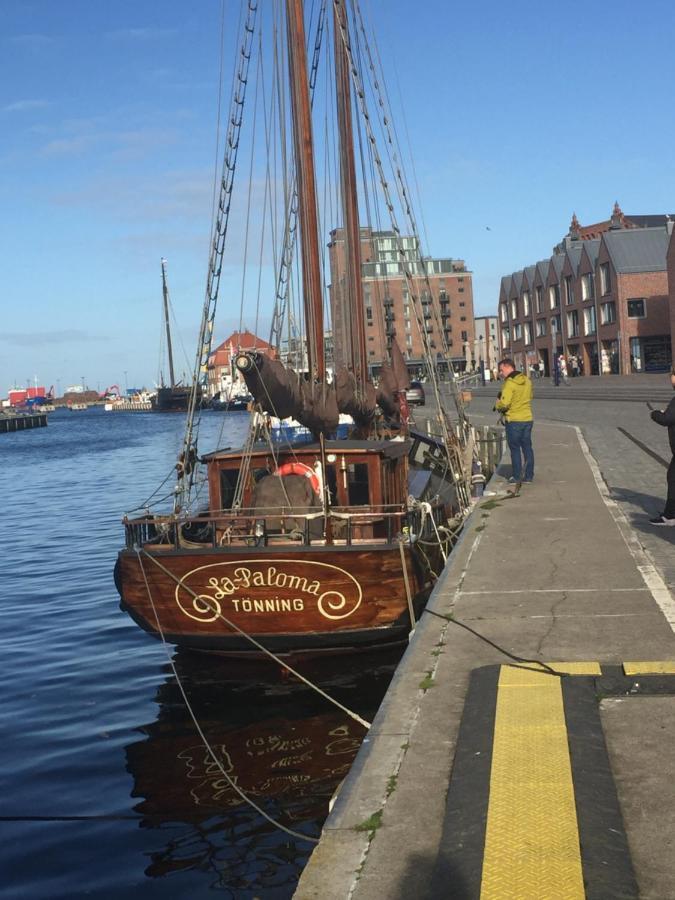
{"type": "Point", "coordinates": [603, 302]}
{"type": "Point", "coordinates": [220, 366]}
{"type": "Point", "coordinates": [617, 221]}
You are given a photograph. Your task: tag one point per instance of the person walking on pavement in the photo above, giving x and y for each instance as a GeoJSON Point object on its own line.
{"type": "Point", "coordinates": [562, 362]}
{"type": "Point", "coordinates": [666, 417]}
{"type": "Point", "coordinates": [515, 405]}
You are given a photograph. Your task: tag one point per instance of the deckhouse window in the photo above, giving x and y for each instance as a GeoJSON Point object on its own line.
{"type": "Point", "coordinates": [228, 486]}
{"type": "Point", "coordinates": [357, 484]}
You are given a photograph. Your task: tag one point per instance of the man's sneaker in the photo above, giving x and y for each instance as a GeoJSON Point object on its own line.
{"type": "Point", "coordinates": [513, 480]}
{"type": "Point", "coordinates": [662, 520]}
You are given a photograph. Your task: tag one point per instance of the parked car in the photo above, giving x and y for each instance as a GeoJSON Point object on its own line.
{"type": "Point", "coordinates": [415, 394]}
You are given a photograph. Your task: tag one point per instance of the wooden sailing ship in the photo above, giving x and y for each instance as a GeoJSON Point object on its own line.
{"type": "Point", "coordinates": [172, 397]}
{"type": "Point", "coordinates": [327, 530]}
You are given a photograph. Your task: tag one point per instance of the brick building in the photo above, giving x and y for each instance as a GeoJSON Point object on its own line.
{"type": "Point", "coordinates": [602, 297]}
{"type": "Point", "coordinates": [221, 375]}
{"type": "Point", "coordinates": [444, 287]}
{"type": "Point", "coordinates": [670, 269]}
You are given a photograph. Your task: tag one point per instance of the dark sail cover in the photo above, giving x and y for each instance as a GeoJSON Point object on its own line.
{"type": "Point", "coordinates": [285, 394]}
{"type": "Point", "coordinates": [394, 379]}
{"type": "Point", "coordinates": [319, 408]}
{"type": "Point", "coordinates": [277, 389]}
{"type": "Point", "coordinates": [399, 366]}
{"type": "Point", "coordinates": [357, 404]}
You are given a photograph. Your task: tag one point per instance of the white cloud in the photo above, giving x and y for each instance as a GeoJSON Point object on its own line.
{"type": "Point", "coordinates": [33, 41]}
{"type": "Point", "coordinates": [151, 33]}
{"type": "Point", "coordinates": [34, 338]}
{"type": "Point", "coordinates": [22, 105]}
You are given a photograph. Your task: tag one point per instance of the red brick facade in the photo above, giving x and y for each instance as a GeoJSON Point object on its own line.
{"type": "Point", "coordinates": [606, 297]}
{"type": "Point", "coordinates": [445, 298]}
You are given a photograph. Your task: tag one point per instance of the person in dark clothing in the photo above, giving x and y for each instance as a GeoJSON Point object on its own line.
{"type": "Point", "coordinates": [666, 417]}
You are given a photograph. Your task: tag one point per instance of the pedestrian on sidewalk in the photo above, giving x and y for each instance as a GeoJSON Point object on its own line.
{"type": "Point", "coordinates": [562, 362]}
{"type": "Point", "coordinates": [666, 417]}
{"type": "Point", "coordinates": [515, 405]}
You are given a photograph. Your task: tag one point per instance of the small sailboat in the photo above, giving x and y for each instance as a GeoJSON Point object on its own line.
{"type": "Point", "coordinates": [326, 531]}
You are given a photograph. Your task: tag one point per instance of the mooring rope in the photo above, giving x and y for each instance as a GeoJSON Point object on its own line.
{"type": "Point", "coordinates": [277, 659]}
{"type": "Point", "coordinates": [209, 749]}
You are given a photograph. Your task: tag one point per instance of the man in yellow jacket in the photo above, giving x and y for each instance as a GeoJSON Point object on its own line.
{"type": "Point", "coordinates": [515, 405]}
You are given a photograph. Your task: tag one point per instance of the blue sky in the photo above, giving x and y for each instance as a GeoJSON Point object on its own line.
{"type": "Point", "coordinates": [519, 114]}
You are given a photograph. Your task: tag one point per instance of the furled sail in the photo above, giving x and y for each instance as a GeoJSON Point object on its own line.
{"type": "Point", "coordinates": [394, 380]}
{"type": "Point", "coordinates": [285, 394]}
{"type": "Point", "coordinates": [357, 403]}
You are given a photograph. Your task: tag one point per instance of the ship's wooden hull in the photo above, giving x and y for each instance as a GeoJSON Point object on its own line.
{"type": "Point", "coordinates": [313, 599]}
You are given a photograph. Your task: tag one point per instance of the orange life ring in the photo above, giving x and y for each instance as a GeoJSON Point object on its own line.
{"type": "Point", "coordinates": [298, 468]}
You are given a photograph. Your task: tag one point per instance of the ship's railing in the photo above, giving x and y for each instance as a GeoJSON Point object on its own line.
{"type": "Point", "coordinates": [260, 527]}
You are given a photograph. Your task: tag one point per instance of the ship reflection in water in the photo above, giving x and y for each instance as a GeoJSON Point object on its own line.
{"type": "Point", "coordinates": [284, 746]}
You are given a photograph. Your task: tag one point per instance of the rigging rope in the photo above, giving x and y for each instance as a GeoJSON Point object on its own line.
{"type": "Point", "coordinates": [232, 783]}
{"type": "Point", "coordinates": [205, 600]}
{"type": "Point", "coordinates": [218, 245]}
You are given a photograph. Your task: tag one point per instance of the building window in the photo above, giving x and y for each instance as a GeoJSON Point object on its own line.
{"type": "Point", "coordinates": [517, 332]}
{"type": "Point", "coordinates": [554, 296]}
{"type": "Point", "coordinates": [573, 324]}
{"type": "Point", "coordinates": [408, 340]}
{"type": "Point", "coordinates": [636, 309]}
{"type": "Point", "coordinates": [589, 320]}
{"type": "Point", "coordinates": [462, 318]}
{"type": "Point", "coordinates": [541, 327]}
{"type": "Point", "coordinates": [607, 313]}
{"type": "Point", "coordinates": [539, 299]}
{"type": "Point", "coordinates": [587, 287]}
{"type": "Point", "coordinates": [371, 338]}
{"type": "Point", "coordinates": [514, 309]}
{"type": "Point", "coordinates": [504, 312]}
{"type": "Point", "coordinates": [526, 303]}
{"type": "Point", "coordinates": [369, 314]}
{"type": "Point", "coordinates": [569, 290]}
{"type": "Point", "coordinates": [605, 281]}
{"type": "Point", "coordinates": [465, 335]}
{"type": "Point", "coordinates": [460, 290]}
{"type": "Point", "coordinates": [506, 337]}
{"type": "Point", "coordinates": [527, 332]}
{"type": "Point", "coordinates": [555, 324]}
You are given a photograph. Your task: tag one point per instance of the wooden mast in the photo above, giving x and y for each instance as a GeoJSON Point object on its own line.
{"type": "Point", "coordinates": [307, 209]}
{"type": "Point", "coordinates": [165, 295]}
{"type": "Point", "coordinates": [354, 308]}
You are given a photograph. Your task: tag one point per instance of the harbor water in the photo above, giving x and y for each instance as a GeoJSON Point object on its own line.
{"type": "Point", "coordinates": [107, 788]}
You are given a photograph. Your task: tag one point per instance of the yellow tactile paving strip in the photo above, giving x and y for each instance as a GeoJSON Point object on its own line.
{"type": "Point", "coordinates": [532, 840]}
{"type": "Point", "coordinates": [565, 668]}
{"type": "Point", "coordinates": [664, 667]}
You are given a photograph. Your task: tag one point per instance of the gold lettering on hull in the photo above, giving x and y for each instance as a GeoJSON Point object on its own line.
{"type": "Point", "coordinates": [263, 586]}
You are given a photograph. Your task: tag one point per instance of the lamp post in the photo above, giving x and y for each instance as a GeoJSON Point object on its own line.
{"type": "Point", "coordinates": [555, 371]}
{"type": "Point", "coordinates": [126, 384]}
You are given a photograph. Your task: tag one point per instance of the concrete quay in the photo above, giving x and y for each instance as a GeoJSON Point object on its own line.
{"type": "Point", "coordinates": [478, 779]}
{"type": "Point", "coordinates": [624, 388]}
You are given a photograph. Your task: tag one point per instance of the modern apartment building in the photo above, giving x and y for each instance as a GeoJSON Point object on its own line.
{"type": "Point", "coordinates": [443, 286]}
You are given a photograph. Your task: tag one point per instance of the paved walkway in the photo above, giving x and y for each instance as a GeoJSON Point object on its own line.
{"type": "Point", "coordinates": [555, 574]}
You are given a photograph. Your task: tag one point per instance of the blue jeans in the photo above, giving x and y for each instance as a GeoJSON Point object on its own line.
{"type": "Point", "coordinates": [519, 439]}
